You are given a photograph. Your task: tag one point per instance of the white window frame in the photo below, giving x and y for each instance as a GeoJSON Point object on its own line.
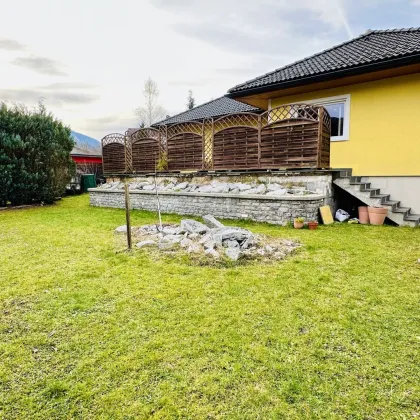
{"type": "Point", "coordinates": [333, 100]}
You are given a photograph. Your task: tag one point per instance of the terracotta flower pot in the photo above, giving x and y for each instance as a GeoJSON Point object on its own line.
{"type": "Point", "coordinates": [312, 225]}
{"type": "Point", "coordinates": [363, 215]}
{"type": "Point", "coordinates": [377, 215]}
{"type": "Point", "coordinates": [298, 225]}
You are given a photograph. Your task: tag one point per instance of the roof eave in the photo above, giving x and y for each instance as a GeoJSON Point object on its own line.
{"type": "Point", "coordinates": [324, 77]}
{"type": "Point", "coordinates": [85, 155]}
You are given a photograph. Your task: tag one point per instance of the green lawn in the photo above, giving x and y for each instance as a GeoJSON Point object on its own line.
{"type": "Point", "coordinates": [89, 332]}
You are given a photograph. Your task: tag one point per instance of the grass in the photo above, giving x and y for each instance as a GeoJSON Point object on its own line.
{"type": "Point", "coordinates": [87, 332]}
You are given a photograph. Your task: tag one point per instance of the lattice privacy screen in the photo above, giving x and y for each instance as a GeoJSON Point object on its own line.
{"type": "Point", "coordinates": [289, 136]}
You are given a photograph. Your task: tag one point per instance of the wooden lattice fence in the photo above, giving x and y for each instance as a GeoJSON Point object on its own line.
{"type": "Point", "coordinates": [287, 137]}
{"type": "Point", "coordinates": [114, 154]}
{"type": "Point", "coordinates": [184, 145]}
{"type": "Point", "coordinates": [145, 145]}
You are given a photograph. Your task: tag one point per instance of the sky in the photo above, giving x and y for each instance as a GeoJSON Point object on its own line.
{"type": "Point", "coordinates": [88, 59]}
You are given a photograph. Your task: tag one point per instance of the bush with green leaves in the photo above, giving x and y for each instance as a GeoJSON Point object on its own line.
{"type": "Point", "coordinates": [35, 162]}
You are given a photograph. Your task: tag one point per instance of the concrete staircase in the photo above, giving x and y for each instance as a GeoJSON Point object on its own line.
{"type": "Point", "coordinates": [373, 197]}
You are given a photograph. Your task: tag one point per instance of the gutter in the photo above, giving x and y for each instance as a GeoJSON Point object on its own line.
{"type": "Point", "coordinates": [332, 75]}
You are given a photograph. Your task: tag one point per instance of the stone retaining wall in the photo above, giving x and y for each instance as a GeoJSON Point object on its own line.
{"type": "Point", "coordinates": [318, 181]}
{"type": "Point", "coordinates": [276, 210]}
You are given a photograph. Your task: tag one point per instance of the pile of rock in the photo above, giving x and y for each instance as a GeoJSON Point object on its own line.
{"type": "Point", "coordinates": [214, 187]}
{"type": "Point", "coordinates": [211, 238]}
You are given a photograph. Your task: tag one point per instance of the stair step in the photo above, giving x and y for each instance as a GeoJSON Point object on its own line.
{"type": "Point", "coordinates": [371, 190]}
{"type": "Point", "coordinates": [381, 196]}
{"type": "Point", "coordinates": [401, 210]}
{"type": "Point", "coordinates": [391, 203]}
{"type": "Point", "coordinates": [412, 217]}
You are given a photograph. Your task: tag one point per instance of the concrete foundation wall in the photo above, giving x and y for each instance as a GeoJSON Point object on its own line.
{"type": "Point", "coordinates": [252, 207]}
{"type": "Point", "coordinates": [402, 188]}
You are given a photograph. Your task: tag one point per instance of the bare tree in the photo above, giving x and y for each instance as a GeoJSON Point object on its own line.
{"type": "Point", "coordinates": [151, 111]}
{"type": "Point", "coordinates": [190, 100]}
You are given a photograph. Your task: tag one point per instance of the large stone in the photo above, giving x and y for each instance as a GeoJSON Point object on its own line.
{"type": "Point", "coordinates": [181, 186]}
{"type": "Point", "coordinates": [205, 238]}
{"type": "Point", "coordinates": [149, 229]}
{"type": "Point", "coordinates": [166, 243]}
{"type": "Point", "coordinates": [141, 185]}
{"type": "Point", "coordinates": [248, 242]}
{"type": "Point", "coordinates": [212, 252]}
{"type": "Point", "coordinates": [121, 229]}
{"type": "Point", "coordinates": [186, 243]}
{"type": "Point", "coordinates": [210, 244]}
{"type": "Point", "coordinates": [212, 222]}
{"type": "Point", "coordinates": [194, 249]}
{"type": "Point", "coordinates": [273, 187]}
{"type": "Point", "coordinates": [174, 238]}
{"type": "Point", "coordinates": [243, 187]}
{"type": "Point", "coordinates": [237, 234]}
{"type": "Point", "coordinates": [233, 253]}
{"type": "Point", "coordinates": [261, 189]}
{"type": "Point", "coordinates": [192, 226]}
{"type": "Point", "coordinates": [231, 244]}
{"type": "Point", "coordinates": [251, 191]}
{"type": "Point", "coordinates": [171, 230]}
{"type": "Point", "coordinates": [269, 249]}
{"type": "Point", "coordinates": [143, 244]}
{"type": "Point", "coordinates": [169, 187]}
{"type": "Point", "coordinates": [206, 189]}
{"type": "Point", "coordinates": [221, 189]}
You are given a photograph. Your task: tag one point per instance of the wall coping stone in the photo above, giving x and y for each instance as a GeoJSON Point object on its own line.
{"type": "Point", "coordinates": [309, 197]}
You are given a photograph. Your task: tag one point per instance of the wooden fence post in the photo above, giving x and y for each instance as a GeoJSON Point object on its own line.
{"type": "Point", "coordinates": [320, 134]}
{"type": "Point", "coordinates": [127, 214]}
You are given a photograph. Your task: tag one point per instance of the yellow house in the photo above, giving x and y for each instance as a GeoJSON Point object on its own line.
{"type": "Point", "coordinates": [370, 86]}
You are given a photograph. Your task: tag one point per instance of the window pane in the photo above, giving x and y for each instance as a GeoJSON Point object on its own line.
{"type": "Point", "coordinates": [336, 112]}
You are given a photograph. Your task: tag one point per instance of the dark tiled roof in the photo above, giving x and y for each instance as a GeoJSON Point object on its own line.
{"type": "Point", "coordinates": [373, 47]}
{"type": "Point", "coordinates": [214, 108]}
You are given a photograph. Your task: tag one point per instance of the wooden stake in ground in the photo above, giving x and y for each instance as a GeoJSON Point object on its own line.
{"type": "Point", "coordinates": [127, 215]}
{"type": "Point", "coordinates": [158, 205]}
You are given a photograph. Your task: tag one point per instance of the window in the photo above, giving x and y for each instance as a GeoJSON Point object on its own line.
{"type": "Point", "coordinates": [336, 112]}
{"type": "Point", "coordinates": [339, 109]}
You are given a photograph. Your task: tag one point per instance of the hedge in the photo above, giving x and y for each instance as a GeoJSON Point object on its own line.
{"type": "Point", "coordinates": [35, 162]}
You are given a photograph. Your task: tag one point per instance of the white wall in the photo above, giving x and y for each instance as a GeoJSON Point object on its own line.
{"type": "Point", "coordinates": [402, 188]}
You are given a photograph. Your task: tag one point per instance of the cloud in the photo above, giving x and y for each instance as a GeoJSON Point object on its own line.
{"type": "Point", "coordinates": [193, 82]}
{"type": "Point", "coordinates": [11, 45]}
{"type": "Point", "coordinates": [68, 85]}
{"type": "Point", "coordinates": [51, 94]}
{"type": "Point", "coordinates": [40, 65]}
{"type": "Point", "coordinates": [100, 127]}
{"type": "Point", "coordinates": [261, 30]}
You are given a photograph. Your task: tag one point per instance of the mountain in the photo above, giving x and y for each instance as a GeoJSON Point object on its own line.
{"type": "Point", "coordinates": [85, 142]}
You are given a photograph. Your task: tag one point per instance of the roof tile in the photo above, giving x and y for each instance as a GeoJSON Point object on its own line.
{"type": "Point", "coordinates": [215, 108]}
{"type": "Point", "coordinates": [371, 47]}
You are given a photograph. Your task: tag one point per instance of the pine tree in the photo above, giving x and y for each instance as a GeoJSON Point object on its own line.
{"type": "Point", "coordinates": [190, 100]}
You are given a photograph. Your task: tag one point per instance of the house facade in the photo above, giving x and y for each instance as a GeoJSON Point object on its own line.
{"type": "Point", "coordinates": [370, 86]}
